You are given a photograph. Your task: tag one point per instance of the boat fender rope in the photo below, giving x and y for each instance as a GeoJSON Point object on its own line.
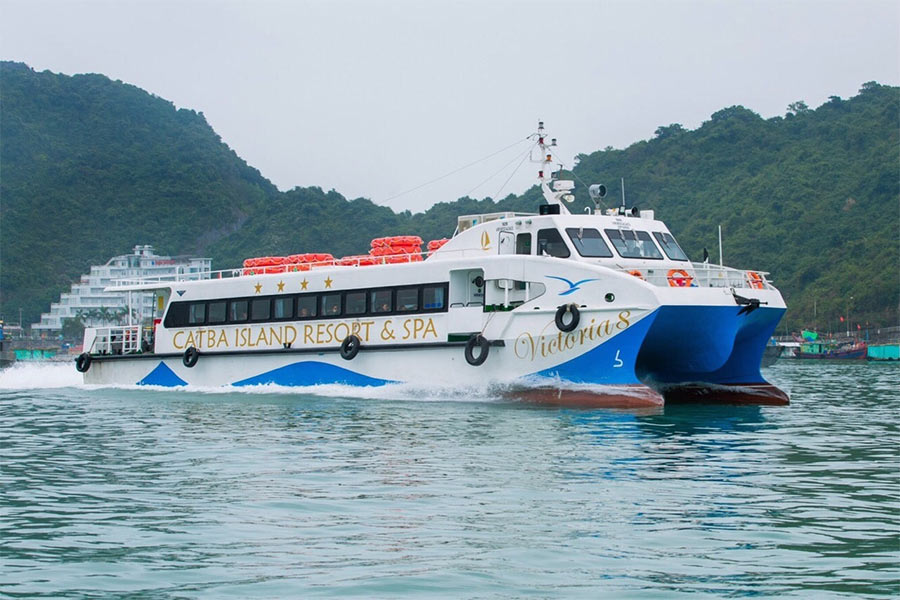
{"type": "Point", "coordinates": [484, 348]}
{"type": "Point", "coordinates": [561, 315]}
{"type": "Point", "coordinates": [350, 347]}
{"type": "Point", "coordinates": [190, 357]}
{"type": "Point", "coordinates": [679, 278]}
{"type": "Point", "coordinates": [83, 362]}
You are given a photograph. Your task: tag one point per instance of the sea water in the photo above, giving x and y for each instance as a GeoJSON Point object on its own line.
{"type": "Point", "coordinates": [430, 492]}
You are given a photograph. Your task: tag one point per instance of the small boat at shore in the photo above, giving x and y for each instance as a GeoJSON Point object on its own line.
{"type": "Point", "coordinates": [598, 309]}
{"type": "Point", "coordinates": [814, 346]}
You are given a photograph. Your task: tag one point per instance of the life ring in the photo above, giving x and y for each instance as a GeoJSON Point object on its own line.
{"type": "Point", "coordinates": [350, 347]}
{"type": "Point", "coordinates": [637, 274]}
{"type": "Point", "coordinates": [560, 315]}
{"type": "Point", "coordinates": [190, 357]}
{"type": "Point", "coordinates": [484, 349]}
{"type": "Point", "coordinates": [83, 362]}
{"type": "Point", "coordinates": [756, 280]}
{"type": "Point", "coordinates": [679, 278]}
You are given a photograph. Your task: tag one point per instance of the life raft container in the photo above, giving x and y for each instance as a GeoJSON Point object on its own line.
{"type": "Point", "coordinates": [397, 240]}
{"type": "Point", "coordinates": [361, 260]}
{"type": "Point", "coordinates": [388, 251]}
{"type": "Point", "coordinates": [401, 258]}
{"type": "Point", "coordinates": [756, 280]}
{"type": "Point", "coordinates": [265, 261]}
{"type": "Point", "coordinates": [435, 244]}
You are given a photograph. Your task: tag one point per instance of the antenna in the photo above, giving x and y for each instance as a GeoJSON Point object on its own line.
{"type": "Point", "coordinates": [561, 189]}
{"type": "Point", "coordinates": [623, 192]}
{"type": "Point", "coordinates": [720, 246]}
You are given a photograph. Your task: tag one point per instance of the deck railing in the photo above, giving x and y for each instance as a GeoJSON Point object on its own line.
{"type": "Point", "coordinates": [120, 339]}
{"type": "Point", "coordinates": [702, 275]}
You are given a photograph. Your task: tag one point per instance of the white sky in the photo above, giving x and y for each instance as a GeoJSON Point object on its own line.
{"type": "Point", "coordinates": [374, 98]}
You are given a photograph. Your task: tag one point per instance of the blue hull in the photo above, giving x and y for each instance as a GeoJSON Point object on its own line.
{"type": "Point", "coordinates": [708, 346]}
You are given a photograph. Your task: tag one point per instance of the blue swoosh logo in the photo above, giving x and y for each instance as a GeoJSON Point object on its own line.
{"type": "Point", "coordinates": [573, 287]}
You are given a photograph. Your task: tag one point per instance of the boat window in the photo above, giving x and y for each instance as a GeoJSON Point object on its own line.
{"type": "Point", "coordinates": [407, 299]}
{"type": "Point", "coordinates": [218, 312]}
{"type": "Point", "coordinates": [355, 303]}
{"type": "Point", "coordinates": [331, 305]}
{"type": "Point", "coordinates": [670, 246]}
{"type": "Point", "coordinates": [177, 314]}
{"type": "Point", "coordinates": [238, 311]}
{"type": "Point", "coordinates": [197, 313]}
{"type": "Point", "coordinates": [550, 242]}
{"type": "Point", "coordinates": [523, 243]}
{"type": "Point", "coordinates": [589, 242]}
{"type": "Point", "coordinates": [433, 297]}
{"type": "Point", "coordinates": [284, 307]}
{"type": "Point", "coordinates": [633, 244]}
{"type": "Point", "coordinates": [306, 307]}
{"type": "Point", "coordinates": [425, 298]}
{"type": "Point", "coordinates": [382, 301]}
{"type": "Point", "coordinates": [260, 309]}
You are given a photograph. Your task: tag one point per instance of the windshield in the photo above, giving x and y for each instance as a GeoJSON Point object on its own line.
{"type": "Point", "coordinates": [551, 243]}
{"type": "Point", "coordinates": [633, 244]}
{"type": "Point", "coordinates": [670, 246]}
{"type": "Point", "coordinates": [589, 242]}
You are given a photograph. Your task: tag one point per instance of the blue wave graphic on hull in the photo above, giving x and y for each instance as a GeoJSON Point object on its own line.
{"type": "Point", "coordinates": [311, 373]}
{"type": "Point", "coordinates": [612, 362]}
{"type": "Point", "coordinates": [162, 375]}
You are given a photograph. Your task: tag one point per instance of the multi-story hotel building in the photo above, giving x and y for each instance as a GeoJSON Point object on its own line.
{"type": "Point", "coordinates": [97, 307]}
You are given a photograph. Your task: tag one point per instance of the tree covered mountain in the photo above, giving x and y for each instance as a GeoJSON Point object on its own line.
{"type": "Point", "coordinates": [90, 167]}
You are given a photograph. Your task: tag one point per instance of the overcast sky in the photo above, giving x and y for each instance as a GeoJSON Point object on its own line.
{"type": "Point", "coordinates": [375, 98]}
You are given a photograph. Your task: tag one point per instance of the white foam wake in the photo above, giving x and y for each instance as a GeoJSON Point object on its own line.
{"type": "Point", "coordinates": [46, 375]}
{"type": "Point", "coordinates": [39, 375]}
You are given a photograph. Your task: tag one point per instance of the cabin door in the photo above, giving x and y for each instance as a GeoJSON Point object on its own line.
{"type": "Point", "coordinates": [506, 242]}
{"type": "Point", "coordinates": [466, 310]}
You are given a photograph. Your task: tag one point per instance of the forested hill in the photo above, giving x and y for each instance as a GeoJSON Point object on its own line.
{"type": "Point", "coordinates": [89, 167]}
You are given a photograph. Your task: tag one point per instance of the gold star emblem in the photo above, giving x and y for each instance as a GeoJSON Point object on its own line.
{"type": "Point", "coordinates": [280, 286]}
{"type": "Point", "coordinates": [303, 284]}
{"type": "Point", "coordinates": [328, 283]}
{"type": "Point", "coordinates": [258, 287]}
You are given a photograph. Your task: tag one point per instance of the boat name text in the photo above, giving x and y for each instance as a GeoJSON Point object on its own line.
{"type": "Point", "coordinates": [312, 334]}
{"type": "Point", "coordinates": [530, 347]}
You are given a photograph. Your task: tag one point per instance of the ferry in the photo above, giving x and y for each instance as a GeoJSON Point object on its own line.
{"type": "Point", "coordinates": [602, 308]}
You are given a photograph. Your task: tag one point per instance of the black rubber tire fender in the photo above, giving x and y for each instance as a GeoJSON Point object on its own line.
{"type": "Point", "coordinates": [484, 349]}
{"type": "Point", "coordinates": [190, 357]}
{"type": "Point", "coordinates": [350, 347]}
{"type": "Point", "coordinates": [561, 314]}
{"type": "Point", "coordinates": [83, 362]}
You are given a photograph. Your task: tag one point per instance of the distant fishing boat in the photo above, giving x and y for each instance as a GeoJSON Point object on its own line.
{"type": "Point", "coordinates": [812, 345]}
{"type": "Point", "coordinates": [588, 309]}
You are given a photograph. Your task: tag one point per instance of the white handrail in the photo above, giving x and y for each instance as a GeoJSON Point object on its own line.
{"type": "Point", "coordinates": [116, 340]}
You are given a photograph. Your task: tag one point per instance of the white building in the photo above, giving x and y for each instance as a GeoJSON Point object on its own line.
{"type": "Point", "coordinates": [88, 299]}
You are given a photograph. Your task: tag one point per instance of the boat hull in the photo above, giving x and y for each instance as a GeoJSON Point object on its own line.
{"type": "Point", "coordinates": [710, 354]}
{"type": "Point", "coordinates": [537, 364]}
